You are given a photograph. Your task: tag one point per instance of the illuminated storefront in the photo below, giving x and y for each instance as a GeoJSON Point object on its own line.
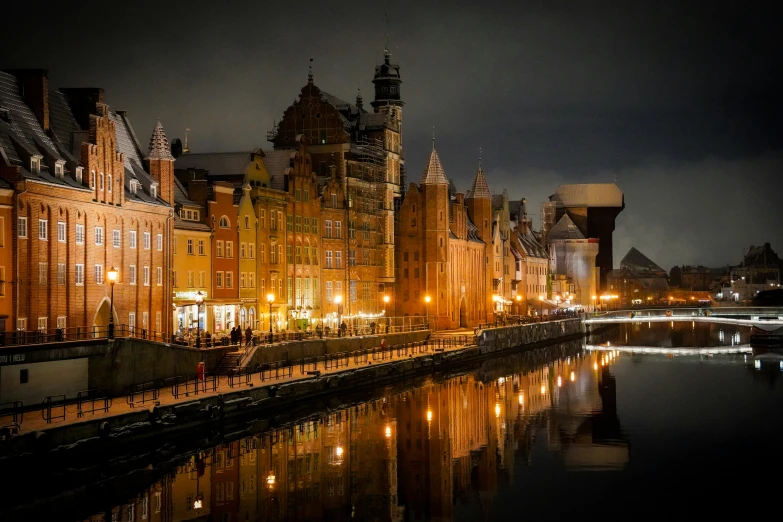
{"type": "Point", "coordinates": [186, 311]}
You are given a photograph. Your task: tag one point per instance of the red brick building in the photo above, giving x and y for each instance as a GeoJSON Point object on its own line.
{"type": "Point", "coordinates": [222, 215]}
{"type": "Point", "coordinates": [86, 200]}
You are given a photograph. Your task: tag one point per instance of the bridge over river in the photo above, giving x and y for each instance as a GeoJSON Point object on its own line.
{"type": "Point", "coordinates": [769, 320]}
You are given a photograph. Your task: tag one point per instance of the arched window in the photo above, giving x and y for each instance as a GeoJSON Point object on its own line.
{"type": "Point", "coordinates": [224, 223]}
{"type": "Point", "coordinates": [251, 317]}
{"type": "Point", "coordinates": [243, 317]}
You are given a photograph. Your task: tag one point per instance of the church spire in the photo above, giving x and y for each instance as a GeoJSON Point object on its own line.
{"type": "Point", "coordinates": [479, 189]}
{"type": "Point", "coordinates": [433, 173]}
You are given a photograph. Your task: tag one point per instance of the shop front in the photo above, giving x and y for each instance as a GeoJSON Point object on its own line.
{"type": "Point", "coordinates": [224, 315]}
{"type": "Point", "coordinates": [187, 315]}
{"type": "Point", "coordinates": [248, 315]}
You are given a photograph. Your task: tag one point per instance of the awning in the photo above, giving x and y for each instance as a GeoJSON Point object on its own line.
{"type": "Point", "coordinates": [537, 303]}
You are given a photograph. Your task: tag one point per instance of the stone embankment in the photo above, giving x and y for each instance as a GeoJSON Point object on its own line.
{"type": "Point", "coordinates": [119, 432]}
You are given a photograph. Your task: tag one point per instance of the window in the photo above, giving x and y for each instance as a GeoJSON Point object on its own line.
{"type": "Point", "coordinates": [146, 276]}
{"type": "Point", "coordinates": [242, 279]}
{"type": "Point", "coordinates": [289, 223]}
{"type": "Point", "coordinates": [218, 249]}
{"type": "Point", "coordinates": [279, 253]}
{"type": "Point", "coordinates": [133, 239]}
{"type": "Point", "coordinates": [160, 242]}
{"type": "Point", "coordinates": [158, 321]}
{"type": "Point", "coordinates": [366, 231]}
{"type": "Point", "coordinates": [132, 275]}
{"type": "Point", "coordinates": [334, 200]}
{"type": "Point", "coordinates": [145, 320]}
{"type": "Point", "coordinates": [338, 259]}
{"type": "Point", "coordinates": [98, 274]}
{"type": "Point", "coordinates": [21, 324]}
{"type": "Point", "coordinates": [251, 279]}
{"type": "Point", "coordinates": [247, 222]}
{"type": "Point", "coordinates": [272, 254]}
{"type": "Point", "coordinates": [42, 323]}
{"type": "Point", "coordinates": [242, 250]}
{"type": "Point", "coordinates": [79, 234]}
{"type": "Point", "coordinates": [416, 272]}
{"type": "Point", "coordinates": [352, 258]}
{"type": "Point", "coordinates": [298, 221]}
{"type": "Point", "coordinates": [35, 164]}
{"type": "Point", "coordinates": [261, 218]}
{"type": "Point", "coordinates": [62, 321]}
{"type": "Point", "coordinates": [42, 270]}
{"type": "Point", "coordinates": [175, 245]}
{"type": "Point", "coordinates": [229, 249]}
{"type": "Point", "coordinates": [219, 279]}
{"type": "Point", "coordinates": [202, 276]}
{"type": "Point", "coordinates": [202, 251]}
{"type": "Point", "coordinates": [146, 240]}
{"type": "Point", "coordinates": [306, 195]}
{"type": "Point", "coordinates": [79, 275]}
{"type": "Point", "coordinates": [92, 179]}
{"type": "Point", "coordinates": [109, 182]}
{"type": "Point", "coordinates": [132, 320]}
{"type": "Point", "coordinates": [224, 223]}
{"type": "Point", "coordinates": [22, 226]}
{"type": "Point", "coordinates": [174, 281]}
{"type": "Point", "coordinates": [289, 254]}
{"type": "Point", "coordinates": [43, 229]}
{"type": "Point", "coordinates": [273, 220]}
{"type": "Point", "coordinates": [100, 184]}
{"type": "Point", "coordinates": [79, 175]}
{"type": "Point", "coordinates": [251, 250]}
{"type": "Point", "coordinates": [154, 192]}
{"type": "Point", "coordinates": [298, 194]}
{"type": "Point", "coordinates": [190, 247]}
{"type": "Point", "coordinates": [61, 232]}
{"type": "Point", "coordinates": [328, 291]}
{"type": "Point", "coordinates": [351, 229]}
{"type": "Point", "coordinates": [229, 279]}
{"type": "Point", "coordinates": [116, 238]}
{"type": "Point", "coordinates": [338, 229]}
{"type": "Point", "coordinates": [190, 278]}
{"type": "Point", "coordinates": [60, 274]}
{"type": "Point", "coordinates": [159, 276]}
{"type": "Point", "coordinates": [99, 236]}
{"type": "Point", "coordinates": [328, 229]}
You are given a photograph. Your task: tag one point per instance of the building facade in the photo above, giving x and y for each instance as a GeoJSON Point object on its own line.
{"type": "Point", "coordinates": [441, 257]}
{"type": "Point", "coordinates": [86, 200]}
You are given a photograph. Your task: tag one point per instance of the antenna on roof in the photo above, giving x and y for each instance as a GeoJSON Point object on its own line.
{"type": "Point", "coordinates": [479, 157]}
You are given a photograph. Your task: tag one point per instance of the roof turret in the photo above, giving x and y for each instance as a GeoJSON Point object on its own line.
{"type": "Point", "coordinates": [159, 145]}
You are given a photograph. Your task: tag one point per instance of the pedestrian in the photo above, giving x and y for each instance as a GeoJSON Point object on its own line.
{"type": "Point", "coordinates": [343, 328]}
{"type": "Point", "coordinates": [233, 335]}
{"type": "Point", "coordinates": [248, 336]}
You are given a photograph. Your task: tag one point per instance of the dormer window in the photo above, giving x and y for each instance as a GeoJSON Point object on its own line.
{"type": "Point", "coordinates": [134, 185]}
{"type": "Point", "coordinates": [154, 191]}
{"type": "Point", "coordinates": [58, 169]}
{"type": "Point", "coordinates": [79, 175]}
{"type": "Point", "coordinates": [35, 165]}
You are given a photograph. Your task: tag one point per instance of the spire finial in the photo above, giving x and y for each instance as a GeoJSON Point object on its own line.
{"type": "Point", "coordinates": [310, 73]}
{"type": "Point", "coordinates": [479, 156]}
{"type": "Point", "coordinates": [433, 137]}
{"type": "Point", "coordinates": [185, 149]}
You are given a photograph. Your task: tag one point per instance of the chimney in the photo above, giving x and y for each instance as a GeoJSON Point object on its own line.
{"type": "Point", "coordinates": [197, 191]}
{"type": "Point", "coordinates": [34, 88]}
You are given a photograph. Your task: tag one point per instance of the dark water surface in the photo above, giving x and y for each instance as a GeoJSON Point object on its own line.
{"type": "Point", "coordinates": [587, 431]}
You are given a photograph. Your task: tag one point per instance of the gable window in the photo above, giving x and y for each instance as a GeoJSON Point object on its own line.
{"type": "Point", "coordinates": [247, 222]}
{"type": "Point", "coordinates": [224, 223]}
{"type": "Point", "coordinates": [35, 165]}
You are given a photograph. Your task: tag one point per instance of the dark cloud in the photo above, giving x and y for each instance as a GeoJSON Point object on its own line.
{"type": "Point", "coordinates": [552, 91]}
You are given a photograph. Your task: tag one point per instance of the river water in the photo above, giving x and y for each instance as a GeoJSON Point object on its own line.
{"type": "Point", "coordinates": [595, 429]}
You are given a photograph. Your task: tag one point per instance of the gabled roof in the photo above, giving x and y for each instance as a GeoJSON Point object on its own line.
{"type": "Point", "coordinates": [531, 246]}
{"type": "Point", "coordinates": [638, 262]}
{"type": "Point", "coordinates": [479, 189]}
{"type": "Point", "coordinates": [589, 195]}
{"type": "Point", "coordinates": [277, 162]}
{"type": "Point", "coordinates": [473, 232]}
{"type": "Point", "coordinates": [433, 173]}
{"type": "Point", "coordinates": [565, 229]}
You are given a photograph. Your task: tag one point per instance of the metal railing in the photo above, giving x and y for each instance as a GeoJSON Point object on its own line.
{"type": "Point", "coordinates": [142, 393]}
{"type": "Point", "coordinates": [76, 333]}
{"type": "Point", "coordinates": [92, 401]}
{"type": "Point", "coordinates": [53, 408]}
{"type": "Point", "coordinates": [13, 409]}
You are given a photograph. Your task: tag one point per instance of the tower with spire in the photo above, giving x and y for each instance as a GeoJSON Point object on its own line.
{"type": "Point", "coordinates": [161, 164]}
{"type": "Point", "coordinates": [387, 83]}
{"type": "Point", "coordinates": [479, 203]}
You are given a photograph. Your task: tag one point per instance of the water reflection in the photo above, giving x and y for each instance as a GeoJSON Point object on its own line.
{"type": "Point", "coordinates": [407, 456]}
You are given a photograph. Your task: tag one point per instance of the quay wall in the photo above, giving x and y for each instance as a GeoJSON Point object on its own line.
{"type": "Point", "coordinates": [145, 426]}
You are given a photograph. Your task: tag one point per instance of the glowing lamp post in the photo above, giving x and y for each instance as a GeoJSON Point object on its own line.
{"type": "Point", "coordinates": [427, 300]}
{"type": "Point", "coordinates": [270, 298]}
{"type": "Point", "coordinates": [541, 305]}
{"type": "Point", "coordinates": [111, 275]}
{"type": "Point", "coordinates": [519, 304]}
{"type": "Point", "coordinates": [594, 298]}
{"type": "Point", "coordinates": [199, 300]}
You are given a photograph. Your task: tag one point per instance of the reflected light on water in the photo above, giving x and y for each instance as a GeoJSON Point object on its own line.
{"type": "Point", "coordinates": [543, 389]}
{"type": "Point", "coordinates": [522, 395]}
{"type": "Point", "coordinates": [559, 381]}
{"type": "Point", "coordinates": [573, 376]}
{"type": "Point", "coordinates": [595, 366]}
{"type": "Point", "coordinates": [497, 410]}
{"type": "Point", "coordinates": [388, 432]}
{"type": "Point", "coordinates": [429, 415]}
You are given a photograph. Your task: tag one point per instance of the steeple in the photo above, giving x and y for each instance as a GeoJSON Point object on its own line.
{"type": "Point", "coordinates": [159, 145]}
{"type": "Point", "coordinates": [479, 189]}
{"type": "Point", "coordinates": [433, 172]}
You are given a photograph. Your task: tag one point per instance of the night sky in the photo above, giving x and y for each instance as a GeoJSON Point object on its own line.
{"type": "Point", "coordinates": [679, 102]}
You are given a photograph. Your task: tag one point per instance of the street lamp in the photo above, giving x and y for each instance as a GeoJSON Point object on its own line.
{"type": "Point", "coordinates": [427, 300]}
{"type": "Point", "coordinates": [338, 300]}
{"type": "Point", "coordinates": [541, 305]}
{"type": "Point", "coordinates": [519, 304]}
{"type": "Point", "coordinates": [111, 275]}
{"type": "Point", "coordinates": [270, 298]}
{"type": "Point", "coordinates": [199, 300]}
{"type": "Point", "coordinates": [594, 298]}
{"type": "Point", "coordinates": [386, 300]}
